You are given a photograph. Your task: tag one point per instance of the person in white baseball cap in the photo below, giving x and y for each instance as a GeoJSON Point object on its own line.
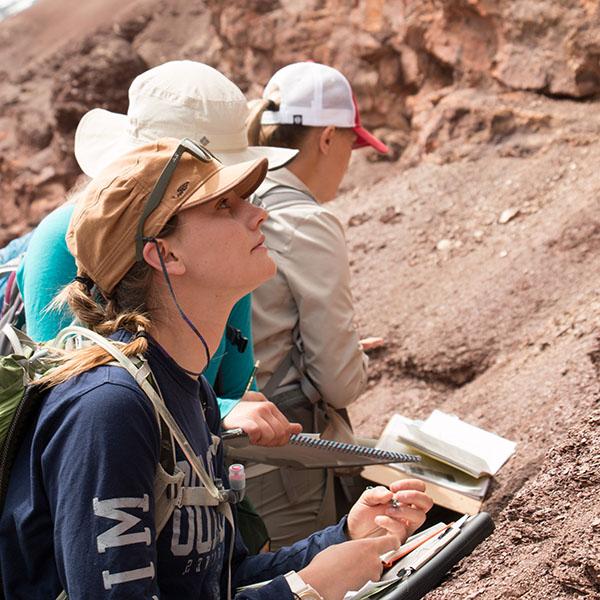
{"type": "Point", "coordinates": [315, 95]}
{"type": "Point", "coordinates": [311, 358]}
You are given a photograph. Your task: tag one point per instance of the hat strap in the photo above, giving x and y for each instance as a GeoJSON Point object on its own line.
{"type": "Point", "coordinates": [183, 315]}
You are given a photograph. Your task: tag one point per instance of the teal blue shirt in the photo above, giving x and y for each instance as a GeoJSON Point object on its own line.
{"type": "Point", "coordinates": [230, 370]}
{"type": "Point", "coordinates": [48, 266]}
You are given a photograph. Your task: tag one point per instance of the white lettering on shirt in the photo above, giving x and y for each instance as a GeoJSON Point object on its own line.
{"type": "Point", "coordinates": [111, 579]}
{"type": "Point", "coordinates": [116, 535]}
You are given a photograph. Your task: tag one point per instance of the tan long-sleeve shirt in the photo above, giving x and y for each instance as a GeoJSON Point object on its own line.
{"type": "Point", "coordinates": [311, 289]}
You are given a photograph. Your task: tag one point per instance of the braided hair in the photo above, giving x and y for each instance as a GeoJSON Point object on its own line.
{"type": "Point", "coordinates": [125, 308]}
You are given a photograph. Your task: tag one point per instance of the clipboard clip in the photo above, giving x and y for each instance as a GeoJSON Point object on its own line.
{"type": "Point", "coordinates": [404, 574]}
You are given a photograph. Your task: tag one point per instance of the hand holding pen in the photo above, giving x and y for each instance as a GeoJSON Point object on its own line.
{"type": "Point", "coordinates": [399, 510]}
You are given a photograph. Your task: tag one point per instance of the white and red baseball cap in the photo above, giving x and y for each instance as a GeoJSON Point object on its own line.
{"type": "Point", "coordinates": [316, 95]}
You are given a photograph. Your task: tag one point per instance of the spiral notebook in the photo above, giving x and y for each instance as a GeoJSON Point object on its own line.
{"type": "Point", "coordinates": [308, 451]}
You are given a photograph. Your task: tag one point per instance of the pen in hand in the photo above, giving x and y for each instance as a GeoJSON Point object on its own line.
{"type": "Point", "coordinates": [392, 503]}
{"type": "Point", "coordinates": [251, 378]}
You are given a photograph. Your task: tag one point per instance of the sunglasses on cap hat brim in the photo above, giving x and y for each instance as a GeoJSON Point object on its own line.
{"type": "Point", "coordinates": [158, 191]}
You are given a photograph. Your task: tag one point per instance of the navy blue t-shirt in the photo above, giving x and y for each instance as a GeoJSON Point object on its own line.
{"type": "Point", "coordinates": [79, 512]}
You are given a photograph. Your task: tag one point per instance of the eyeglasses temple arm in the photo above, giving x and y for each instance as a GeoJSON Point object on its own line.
{"type": "Point", "coordinates": [154, 200]}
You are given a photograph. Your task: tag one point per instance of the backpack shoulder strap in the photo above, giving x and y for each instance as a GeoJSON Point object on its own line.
{"type": "Point", "coordinates": [142, 376]}
{"type": "Point", "coordinates": [293, 357]}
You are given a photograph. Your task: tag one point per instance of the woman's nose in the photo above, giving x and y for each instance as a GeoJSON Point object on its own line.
{"type": "Point", "coordinates": [257, 214]}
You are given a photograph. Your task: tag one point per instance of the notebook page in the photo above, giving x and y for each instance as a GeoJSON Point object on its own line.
{"type": "Point", "coordinates": [429, 469]}
{"type": "Point", "coordinates": [411, 433]}
{"type": "Point", "coordinates": [491, 448]}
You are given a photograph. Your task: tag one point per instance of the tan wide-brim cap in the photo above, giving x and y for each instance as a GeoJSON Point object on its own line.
{"type": "Point", "coordinates": [102, 231]}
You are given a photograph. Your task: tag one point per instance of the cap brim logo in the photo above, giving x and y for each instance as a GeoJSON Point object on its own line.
{"type": "Point", "coordinates": [182, 189]}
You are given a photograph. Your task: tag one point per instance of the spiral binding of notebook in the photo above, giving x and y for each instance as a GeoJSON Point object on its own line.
{"type": "Point", "coordinates": [308, 451]}
{"type": "Point", "coordinates": [314, 442]}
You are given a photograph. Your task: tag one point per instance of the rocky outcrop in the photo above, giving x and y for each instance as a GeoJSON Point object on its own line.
{"type": "Point", "coordinates": [37, 162]}
{"type": "Point", "coordinates": [427, 73]}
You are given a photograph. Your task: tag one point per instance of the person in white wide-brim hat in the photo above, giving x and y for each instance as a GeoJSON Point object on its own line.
{"type": "Point", "coordinates": [177, 99]}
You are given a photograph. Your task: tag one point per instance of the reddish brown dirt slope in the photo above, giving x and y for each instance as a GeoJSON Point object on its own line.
{"type": "Point", "coordinates": [500, 328]}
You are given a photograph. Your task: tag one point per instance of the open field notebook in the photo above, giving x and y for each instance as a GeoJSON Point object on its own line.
{"type": "Point", "coordinates": [466, 447]}
{"type": "Point", "coordinates": [308, 451]}
{"type": "Point", "coordinates": [448, 486]}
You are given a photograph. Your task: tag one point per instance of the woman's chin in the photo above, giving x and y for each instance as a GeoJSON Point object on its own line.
{"type": "Point", "coordinates": [260, 275]}
{"type": "Point", "coordinates": [272, 267]}
{"type": "Point", "coordinates": [268, 270]}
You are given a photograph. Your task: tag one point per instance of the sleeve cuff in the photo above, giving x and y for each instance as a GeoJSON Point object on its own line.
{"type": "Point", "coordinates": [280, 588]}
{"type": "Point", "coordinates": [277, 589]}
{"type": "Point", "coordinates": [340, 531]}
{"type": "Point", "coordinates": [226, 405]}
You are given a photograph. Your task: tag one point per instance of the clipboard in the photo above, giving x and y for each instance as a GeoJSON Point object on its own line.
{"type": "Point", "coordinates": [422, 581]}
{"type": "Point", "coordinates": [308, 451]}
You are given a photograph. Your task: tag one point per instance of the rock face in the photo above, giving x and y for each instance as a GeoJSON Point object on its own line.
{"type": "Point", "coordinates": [38, 124]}
{"type": "Point", "coordinates": [429, 74]}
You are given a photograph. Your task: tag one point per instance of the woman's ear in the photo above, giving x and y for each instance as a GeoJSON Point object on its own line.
{"type": "Point", "coordinates": [173, 263]}
{"type": "Point", "coordinates": [326, 139]}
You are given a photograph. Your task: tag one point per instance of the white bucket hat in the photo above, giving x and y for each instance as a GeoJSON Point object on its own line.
{"type": "Point", "coordinates": [177, 99]}
{"type": "Point", "coordinates": [312, 94]}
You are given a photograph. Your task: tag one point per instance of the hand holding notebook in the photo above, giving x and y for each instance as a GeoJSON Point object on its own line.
{"type": "Point", "coordinates": [308, 451]}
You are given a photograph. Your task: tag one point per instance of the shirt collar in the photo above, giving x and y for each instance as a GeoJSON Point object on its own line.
{"type": "Point", "coordinates": [284, 177]}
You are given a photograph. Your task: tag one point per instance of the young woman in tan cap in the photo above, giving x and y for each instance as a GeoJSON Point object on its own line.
{"type": "Point", "coordinates": [311, 358]}
{"type": "Point", "coordinates": [174, 99]}
{"type": "Point", "coordinates": [165, 243]}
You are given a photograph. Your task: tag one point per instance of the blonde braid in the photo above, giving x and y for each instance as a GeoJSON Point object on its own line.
{"type": "Point", "coordinates": [93, 315]}
{"type": "Point", "coordinates": [124, 308]}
